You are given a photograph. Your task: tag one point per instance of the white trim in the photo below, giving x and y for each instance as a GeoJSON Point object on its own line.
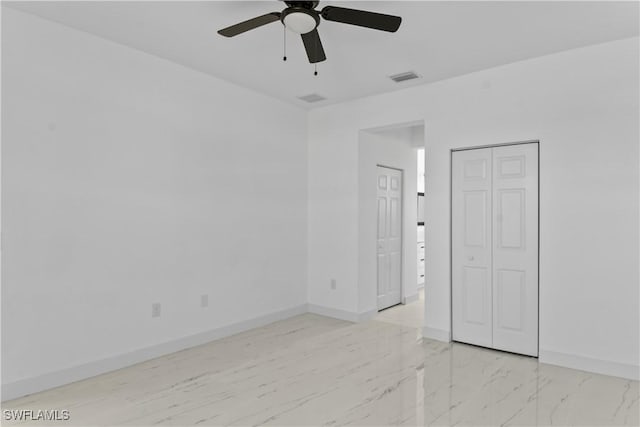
{"type": "Point", "coordinates": [409, 124]}
{"type": "Point", "coordinates": [436, 334]}
{"type": "Point", "coordinates": [349, 316]}
{"type": "Point", "coordinates": [336, 313]}
{"type": "Point", "coordinates": [588, 364]}
{"type": "Point", "coordinates": [367, 315]}
{"type": "Point", "coordinates": [500, 144]}
{"type": "Point", "coordinates": [65, 376]}
{"type": "Point", "coordinates": [409, 299]}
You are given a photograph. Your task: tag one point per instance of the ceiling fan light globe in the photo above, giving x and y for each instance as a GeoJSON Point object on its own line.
{"type": "Point", "coordinates": [300, 22]}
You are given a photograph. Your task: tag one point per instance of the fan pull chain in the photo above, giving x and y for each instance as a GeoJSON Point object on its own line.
{"type": "Point", "coordinates": [315, 64]}
{"type": "Point", "coordinates": [284, 42]}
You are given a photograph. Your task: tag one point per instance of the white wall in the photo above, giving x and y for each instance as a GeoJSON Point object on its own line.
{"type": "Point", "coordinates": [397, 152]}
{"type": "Point", "coordinates": [129, 180]}
{"type": "Point", "coordinates": [583, 107]}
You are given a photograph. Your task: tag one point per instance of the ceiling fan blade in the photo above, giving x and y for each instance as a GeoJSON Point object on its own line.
{"type": "Point", "coordinates": [242, 27]}
{"type": "Point", "coordinates": [362, 18]}
{"type": "Point", "coordinates": [313, 46]}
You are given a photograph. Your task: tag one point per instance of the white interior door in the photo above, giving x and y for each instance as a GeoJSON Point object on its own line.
{"type": "Point", "coordinates": [471, 240]}
{"type": "Point", "coordinates": [389, 244]}
{"type": "Point", "coordinates": [515, 248]}
{"type": "Point", "coordinates": [495, 247]}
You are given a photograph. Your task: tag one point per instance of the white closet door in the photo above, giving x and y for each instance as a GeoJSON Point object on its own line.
{"type": "Point", "coordinates": [471, 240]}
{"type": "Point", "coordinates": [389, 245]}
{"type": "Point", "coordinates": [515, 248]}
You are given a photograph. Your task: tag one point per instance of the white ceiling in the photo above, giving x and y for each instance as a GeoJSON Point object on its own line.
{"type": "Point", "coordinates": [437, 40]}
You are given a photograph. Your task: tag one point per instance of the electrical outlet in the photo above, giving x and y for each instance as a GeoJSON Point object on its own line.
{"type": "Point", "coordinates": [155, 309]}
{"type": "Point", "coordinates": [204, 301]}
{"type": "Point", "coordinates": [333, 284]}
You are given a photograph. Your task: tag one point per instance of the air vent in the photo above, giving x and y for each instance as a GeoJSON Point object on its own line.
{"type": "Point", "coordinates": [403, 77]}
{"type": "Point", "coordinates": [312, 97]}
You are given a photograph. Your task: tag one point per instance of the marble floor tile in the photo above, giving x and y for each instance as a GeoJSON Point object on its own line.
{"type": "Point", "coordinates": [312, 370]}
{"type": "Point", "coordinates": [405, 314]}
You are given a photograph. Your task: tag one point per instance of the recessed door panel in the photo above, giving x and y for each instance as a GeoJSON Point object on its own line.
{"type": "Point", "coordinates": [395, 220]}
{"type": "Point", "coordinates": [475, 292]}
{"type": "Point", "coordinates": [382, 217]}
{"type": "Point", "coordinates": [395, 275]}
{"type": "Point", "coordinates": [383, 274]}
{"type": "Point", "coordinates": [510, 218]}
{"type": "Point", "coordinates": [382, 182]}
{"type": "Point", "coordinates": [510, 299]}
{"type": "Point", "coordinates": [389, 245]}
{"type": "Point", "coordinates": [395, 183]}
{"type": "Point", "coordinates": [511, 166]}
{"type": "Point", "coordinates": [475, 169]}
{"type": "Point", "coordinates": [475, 218]}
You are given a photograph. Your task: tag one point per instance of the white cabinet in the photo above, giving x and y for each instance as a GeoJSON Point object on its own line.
{"type": "Point", "coordinates": [420, 255]}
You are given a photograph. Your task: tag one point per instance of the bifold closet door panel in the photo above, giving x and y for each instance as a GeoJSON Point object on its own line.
{"type": "Point", "coordinates": [471, 246]}
{"type": "Point", "coordinates": [515, 248]}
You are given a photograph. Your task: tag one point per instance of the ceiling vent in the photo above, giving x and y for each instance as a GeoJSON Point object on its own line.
{"type": "Point", "coordinates": [403, 77]}
{"type": "Point", "coordinates": [312, 97]}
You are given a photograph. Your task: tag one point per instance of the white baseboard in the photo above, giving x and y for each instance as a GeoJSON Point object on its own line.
{"type": "Point", "coordinates": [410, 298]}
{"type": "Point", "coordinates": [367, 315]}
{"type": "Point", "coordinates": [588, 364]}
{"type": "Point", "coordinates": [349, 316]}
{"type": "Point", "coordinates": [436, 334]}
{"type": "Point", "coordinates": [55, 379]}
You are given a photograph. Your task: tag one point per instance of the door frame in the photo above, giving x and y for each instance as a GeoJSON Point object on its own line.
{"type": "Point", "coordinates": [477, 147]}
{"type": "Point", "coordinates": [402, 254]}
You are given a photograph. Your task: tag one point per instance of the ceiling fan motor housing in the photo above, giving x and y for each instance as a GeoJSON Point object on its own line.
{"type": "Point", "coordinates": [299, 19]}
{"type": "Point", "coordinates": [304, 4]}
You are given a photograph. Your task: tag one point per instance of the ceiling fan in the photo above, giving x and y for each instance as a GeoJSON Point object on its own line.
{"type": "Point", "coordinates": [302, 18]}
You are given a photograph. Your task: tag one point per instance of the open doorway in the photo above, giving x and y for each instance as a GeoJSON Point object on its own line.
{"type": "Point", "coordinates": [391, 230]}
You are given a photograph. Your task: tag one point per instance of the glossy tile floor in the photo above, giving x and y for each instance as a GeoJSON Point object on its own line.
{"type": "Point", "coordinates": [406, 315]}
{"type": "Point", "coordinates": [312, 370]}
